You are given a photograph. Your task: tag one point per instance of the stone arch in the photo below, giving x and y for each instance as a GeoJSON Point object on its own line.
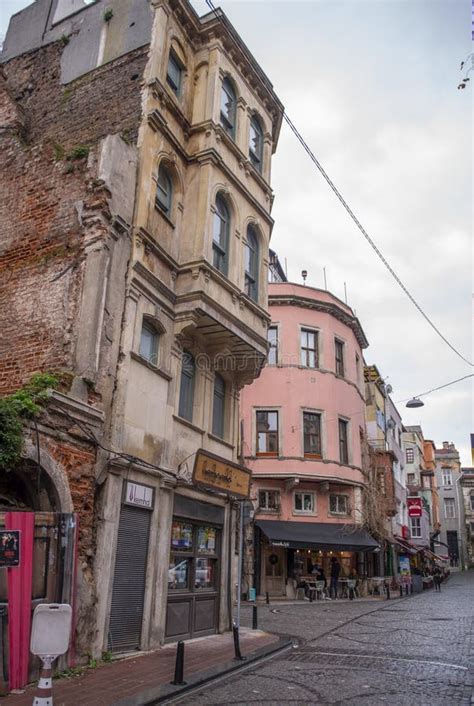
{"type": "Point", "coordinates": [56, 481]}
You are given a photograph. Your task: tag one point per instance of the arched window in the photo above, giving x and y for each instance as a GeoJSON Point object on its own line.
{"type": "Point", "coordinates": [218, 410]}
{"type": "Point", "coordinates": [256, 143]}
{"type": "Point", "coordinates": [228, 107]}
{"type": "Point", "coordinates": [251, 264]}
{"type": "Point", "coordinates": [220, 235]}
{"type": "Point", "coordinates": [164, 190]}
{"type": "Point", "coordinates": [186, 390]}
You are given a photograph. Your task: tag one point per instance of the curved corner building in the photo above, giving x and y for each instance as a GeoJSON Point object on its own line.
{"type": "Point", "coordinates": [304, 426]}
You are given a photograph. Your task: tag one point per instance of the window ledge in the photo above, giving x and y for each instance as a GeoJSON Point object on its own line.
{"type": "Point", "coordinates": [266, 455]}
{"type": "Point", "coordinates": [339, 514]}
{"type": "Point", "coordinates": [263, 511]}
{"type": "Point", "coordinates": [186, 423]}
{"type": "Point", "coordinates": [155, 369]}
{"type": "Point", "coordinates": [303, 513]}
{"type": "Point", "coordinates": [164, 216]}
{"type": "Point", "coordinates": [214, 437]}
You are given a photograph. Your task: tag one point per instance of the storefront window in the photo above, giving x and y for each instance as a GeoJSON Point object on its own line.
{"type": "Point", "coordinates": [182, 536]}
{"type": "Point", "coordinates": [205, 573]}
{"type": "Point", "coordinates": [206, 540]}
{"type": "Point", "coordinates": [178, 572]}
{"type": "Point", "coordinates": [189, 568]}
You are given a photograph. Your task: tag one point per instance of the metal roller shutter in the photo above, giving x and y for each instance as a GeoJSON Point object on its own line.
{"type": "Point", "coordinates": [129, 579]}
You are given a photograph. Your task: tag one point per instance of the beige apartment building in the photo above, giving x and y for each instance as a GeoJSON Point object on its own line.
{"type": "Point", "coordinates": [151, 130]}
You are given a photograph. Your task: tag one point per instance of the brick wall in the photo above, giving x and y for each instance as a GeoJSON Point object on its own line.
{"type": "Point", "coordinates": [42, 240]}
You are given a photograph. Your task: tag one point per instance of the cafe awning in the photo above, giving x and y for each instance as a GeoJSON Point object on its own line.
{"type": "Point", "coordinates": [317, 535]}
{"type": "Point", "coordinates": [405, 546]}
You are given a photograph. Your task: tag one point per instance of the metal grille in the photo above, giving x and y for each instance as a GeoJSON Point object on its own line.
{"type": "Point", "coordinates": [128, 593]}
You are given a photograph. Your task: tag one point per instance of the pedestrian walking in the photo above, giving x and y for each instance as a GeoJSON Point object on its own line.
{"type": "Point", "coordinates": [437, 579]}
{"type": "Point", "coordinates": [335, 571]}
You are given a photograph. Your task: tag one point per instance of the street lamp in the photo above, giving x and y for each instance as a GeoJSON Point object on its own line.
{"type": "Point", "coordinates": [414, 402]}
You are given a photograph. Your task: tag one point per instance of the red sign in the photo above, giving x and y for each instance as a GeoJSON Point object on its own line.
{"type": "Point", "coordinates": [415, 507]}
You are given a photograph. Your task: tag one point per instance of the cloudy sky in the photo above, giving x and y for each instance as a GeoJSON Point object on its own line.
{"type": "Point", "coordinates": [372, 86]}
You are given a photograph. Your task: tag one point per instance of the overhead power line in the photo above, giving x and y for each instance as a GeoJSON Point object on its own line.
{"type": "Point", "coordinates": [359, 225]}
{"type": "Point", "coordinates": [434, 389]}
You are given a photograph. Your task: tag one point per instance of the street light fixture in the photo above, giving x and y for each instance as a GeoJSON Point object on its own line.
{"type": "Point", "coordinates": [415, 402]}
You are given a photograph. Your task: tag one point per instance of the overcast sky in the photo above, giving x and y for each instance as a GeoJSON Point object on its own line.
{"type": "Point", "coordinates": [372, 86]}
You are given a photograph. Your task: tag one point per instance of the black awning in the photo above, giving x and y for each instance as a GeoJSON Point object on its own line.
{"type": "Point", "coordinates": [317, 535]}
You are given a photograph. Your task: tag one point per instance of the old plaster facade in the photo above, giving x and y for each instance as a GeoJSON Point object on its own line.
{"type": "Point", "coordinates": [137, 158]}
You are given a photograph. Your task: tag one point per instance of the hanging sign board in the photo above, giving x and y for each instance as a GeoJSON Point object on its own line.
{"type": "Point", "coordinates": [139, 495]}
{"type": "Point", "coordinates": [415, 507]}
{"type": "Point", "coordinates": [218, 474]}
{"type": "Point", "coordinates": [9, 548]}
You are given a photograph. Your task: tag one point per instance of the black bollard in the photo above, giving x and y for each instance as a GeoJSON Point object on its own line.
{"type": "Point", "coordinates": [388, 593]}
{"type": "Point", "coordinates": [179, 666]}
{"type": "Point", "coordinates": [310, 595]}
{"type": "Point", "coordinates": [406, 589]}
{"type": "Point", "coordinates": [411, 588]}
{"type": "Point", "coordinates": [254, 618]}
{"type": "Point", "coordinates": [267, 598]}
{"type": "Point", "coordinates": [238, 654]}
{"type": "Point", "coordinates": [401, 591]}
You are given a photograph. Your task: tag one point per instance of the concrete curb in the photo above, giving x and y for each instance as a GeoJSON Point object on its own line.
{"type": "Point", "coordinates": [167, 693]}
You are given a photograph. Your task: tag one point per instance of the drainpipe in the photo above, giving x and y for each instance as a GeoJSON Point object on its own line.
{"type": "Point", "coordinates": [460, 500]}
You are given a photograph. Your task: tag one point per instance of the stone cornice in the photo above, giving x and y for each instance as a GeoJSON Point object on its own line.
{"type": "Point", "coordinates": [351, 322]}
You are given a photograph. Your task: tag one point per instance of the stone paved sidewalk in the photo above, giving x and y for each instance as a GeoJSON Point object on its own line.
{"type": "Point", "coordinates": [136, 680]}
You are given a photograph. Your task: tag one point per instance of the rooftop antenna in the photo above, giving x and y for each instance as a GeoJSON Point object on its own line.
{"type": "Point", "coordinates": [345, 292]}
{"type": "Point", "coordinates": [304, 274]}
{"type": "Point", "coordinates": [325, 282]}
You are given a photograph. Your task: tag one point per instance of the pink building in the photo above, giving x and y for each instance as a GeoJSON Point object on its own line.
{"type": "Point", "coordinates": [304, 422]}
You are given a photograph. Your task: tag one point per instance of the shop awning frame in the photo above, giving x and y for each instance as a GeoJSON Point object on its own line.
{"type": "Point", "coordinates": [406, 546]}
{"type": "Point", "coordinates": [317, 535]}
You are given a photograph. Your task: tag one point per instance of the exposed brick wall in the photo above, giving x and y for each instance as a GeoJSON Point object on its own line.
{"type": "Point", "coordinates": [42, 240]}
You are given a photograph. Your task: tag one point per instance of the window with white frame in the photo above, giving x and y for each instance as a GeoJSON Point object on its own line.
{"type": "Point", "coordinates": [269, 500]}
{"type": "Point", "coordinates": [343, 441]}
{"type": "Point", "coordinates": [411, 478]}
{"type": "Point", "coordinates": [449, 508]}
{"type": "Point", "coordinates": [410, 455]}
{"type": "Point", "coordinates": [415, 527]}
{"type": "Point", "coordinates": [309, 348]}
{"type": "Point", "coordinates": [312, 434]}
{"type": "Point", "coordinates": [267, 433]}
{"type": "Point", "coordinates": [472, 502]}
{"type": "Point", "coordinates": [304, 502]}
{"type": "Point", "coordinates": [228, 107]}
{"type": "Point", "coordinates": [338, 504]}
{"type": "Point", "coordinates": [272, 338]}
{"type": "Point", "coordinates": [447, 477]}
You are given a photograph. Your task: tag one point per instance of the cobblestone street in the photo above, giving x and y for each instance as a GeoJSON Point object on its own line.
{"type": "Point", "coordinates": [418, 650]}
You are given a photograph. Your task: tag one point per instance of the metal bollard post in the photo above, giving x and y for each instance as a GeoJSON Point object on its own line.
{"type": "Point", "coordinates": [310, 595]}
{"type": "Point", "coordinates": [267, 598]}
{"type": "Point", "coordinates": [401, 591]}
{"type": "Point", "coordinates": [406, 589]}
{"type": "Point", "coordinates": [388, 593]}
{"type": "Point", "coordinates": [179, 666]}
{"type": "Point", "coordinates": [411, 588]}
{"type": "Point", "coordinates": [44, 695]}
{"type": "Point", "coordinates": [254, 618]}
{"type": "Point", "coordinates": [238, 654]}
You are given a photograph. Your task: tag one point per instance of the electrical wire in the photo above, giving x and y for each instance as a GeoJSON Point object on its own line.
{"type": "Point", "coordinates": [359, 225]}
{"type": "Point", "coordinates": [440, 387]}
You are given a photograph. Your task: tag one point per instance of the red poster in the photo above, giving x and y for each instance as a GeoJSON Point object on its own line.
{"type": "Point", "coordinates": [415, 507]}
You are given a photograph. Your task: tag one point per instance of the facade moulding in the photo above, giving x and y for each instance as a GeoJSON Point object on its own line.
{"type": "Point", "coordinates": [214, 310]}
{"type": "Point", "coordinates": [152, 279]}
{"type": "Point", "coordinates": [310, 477]}
{"type": "Point", "coordinates": [306, 460]}
{"type": "Point", "coordinates": [118, 465]}
{"type": "Point", "coordinates": [139, 288]}
{"type": "Point", "coordinates": [157, 250]}
{"type": "Point", "coordinates": [325, 307]}
{"type": "Point", "coordinates": [79, 410]}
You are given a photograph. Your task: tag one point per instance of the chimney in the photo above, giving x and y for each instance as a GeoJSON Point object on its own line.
{"type": "Point", "coordinates": [445, 444]}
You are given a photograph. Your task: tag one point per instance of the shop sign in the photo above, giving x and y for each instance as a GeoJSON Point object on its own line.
{"type": "Point", "coordinates": [139, 495]}
{"type": "Point", "coordinates": [404, 566]}
{"type": "Point", "coordinates": [9, 548]}
{"type": "Point", "coordinates": [281, 544]}
{"type": "Point", "coordinates": [415, 507]}
{"type": "Point", "coordinates": [213, 472]}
